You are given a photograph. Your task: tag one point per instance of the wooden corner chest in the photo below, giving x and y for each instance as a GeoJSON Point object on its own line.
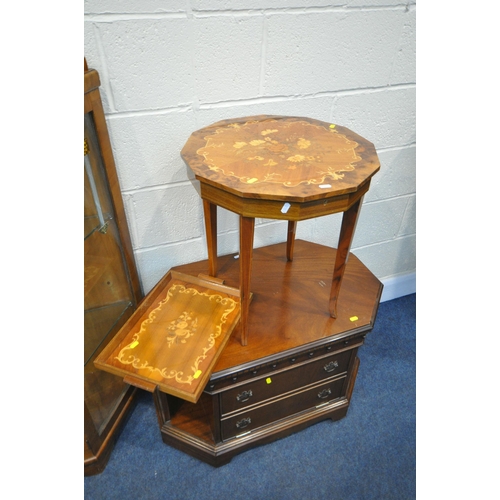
{"type": "Point", "coordinates": [299, 366]}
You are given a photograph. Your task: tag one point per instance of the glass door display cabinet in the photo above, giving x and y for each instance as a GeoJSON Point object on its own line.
{"type": "Point", "coordinates": [111, 283]}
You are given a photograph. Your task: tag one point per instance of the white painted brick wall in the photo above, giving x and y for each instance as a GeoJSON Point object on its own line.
{"type": "Point", "coordinates": [169, 67]}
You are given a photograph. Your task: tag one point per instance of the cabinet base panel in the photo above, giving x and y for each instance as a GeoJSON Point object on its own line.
{"type": "Point", "coordinates": [218, 454]}
{"type": "Point", "coordinates": [96, 463]}
{"type": "Point", "coordinates": [290, 330]}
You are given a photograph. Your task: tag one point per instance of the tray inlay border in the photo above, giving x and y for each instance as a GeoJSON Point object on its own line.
{"type": "Point", "coordinates": [184, 326]}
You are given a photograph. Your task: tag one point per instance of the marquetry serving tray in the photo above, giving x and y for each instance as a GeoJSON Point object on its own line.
{"type": "Point", "coordinates": [175, 337]}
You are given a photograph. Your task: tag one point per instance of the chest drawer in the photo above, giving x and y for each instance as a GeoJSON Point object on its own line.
{"type": "Point", "coordinates": [280, 383]}
{"type": "Point", "coordinates": [277, 409]}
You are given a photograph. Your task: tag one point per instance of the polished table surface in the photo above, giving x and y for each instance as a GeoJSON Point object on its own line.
{"type": "Point", "coordinates": [280, 167]}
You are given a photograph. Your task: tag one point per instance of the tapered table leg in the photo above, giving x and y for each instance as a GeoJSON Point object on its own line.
{"type": "Point", "coordinates": [290, 239]}
{"type": "Point", "coordinates": [210, 215]}
{"type": "Point", "coordinates": [349, 220]}
{"type": "Point", "coordinates": [247, 226]}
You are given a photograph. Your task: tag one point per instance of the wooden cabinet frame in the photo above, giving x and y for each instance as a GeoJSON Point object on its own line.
{"type": "Point", "coordinates": [98, 442]}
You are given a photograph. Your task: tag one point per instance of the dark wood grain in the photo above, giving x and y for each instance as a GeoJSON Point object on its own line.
{"type": "Point", "coordinates": [283, 381]}
{"type": "Point", "coordinates": [210, 216]}
{"type": "Point", "coordinates": [108, 304]}
{"type": "Point", "coordinates": [195, 419]}
{"type": "Point", "coordinates": [299, 363]}
{"type": "Point", "coordinates": [349, 221]}
{"type": "Point", "coordinates": [280, 408]}
{"type": "Point", "coordinates": [247, 225]}
{"type": "Point", "coordinates": [280, 167]}
{"type": "Point", "coordinates": [290, 239]}
{"type": "Point", "coordinates": [288, 303]}
{"type": "Point", "coordinates": [176, 340]}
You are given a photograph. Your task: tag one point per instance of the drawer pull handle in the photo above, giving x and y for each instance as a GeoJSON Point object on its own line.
{"type": "Point", "coordinates": [244, 396]}
{"type": "Point", "coordinates": [244, 422]}
{"type": "Point", "coordinates": [324, 393]}
{"type": "Point", "coordinates": [331, 366]}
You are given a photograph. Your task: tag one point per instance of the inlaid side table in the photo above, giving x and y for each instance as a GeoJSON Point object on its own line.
{"type": "Point", "coordinates": [280, 167]}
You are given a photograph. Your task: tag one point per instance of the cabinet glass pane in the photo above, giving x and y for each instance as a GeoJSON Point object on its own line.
{"type": "Point", "coordinates": [103, 393]}
{"type": "Point", "coordinates": [108, 298]}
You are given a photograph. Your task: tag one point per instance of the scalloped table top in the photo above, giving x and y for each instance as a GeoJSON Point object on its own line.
{"type": "Point", "coordinates": [281, 158]}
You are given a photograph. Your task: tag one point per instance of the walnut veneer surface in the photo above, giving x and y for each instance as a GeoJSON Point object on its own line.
{"type": "Point", "coordinates": [280, 167]}
{"type": "Point", "coordinates": [281, 158]}
{"type": "Point", "coordinates": [175, 337]}
{"type": "Point", "coordinates": [299, 366]}
{"type": "Point", "coordinates": [287, 308]}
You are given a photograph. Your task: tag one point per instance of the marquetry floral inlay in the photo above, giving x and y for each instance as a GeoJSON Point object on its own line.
{"type": "Point", "coordinates": [279, 151]}
{"type": "Point", "coordinates": [180, 329]}
{"type": "Point", "coordinates": [203, 315]}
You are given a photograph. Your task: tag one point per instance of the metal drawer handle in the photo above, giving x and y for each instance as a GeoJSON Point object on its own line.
{"type": "Point", "coordinates": [244, 422]}
{"type": "Point", "coordinates": [323, 394]}
{"type": "Point", "coordinates": [329, 367]}
{"type": "Point", "coordinates": [244, 396]}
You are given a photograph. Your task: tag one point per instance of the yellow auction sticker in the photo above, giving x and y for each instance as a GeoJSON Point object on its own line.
{"type": "Point", "coordinates": [354, 318]}
{"type": "Point", "coordinates": [268, 380]}
{"type": "Point", "coordinates": [197, 374]}
{"type": "Point", "coordinates": [135, 343]}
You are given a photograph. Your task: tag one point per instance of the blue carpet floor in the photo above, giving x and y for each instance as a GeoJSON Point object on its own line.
{"type": "Point", "coordinates": [370, 454]}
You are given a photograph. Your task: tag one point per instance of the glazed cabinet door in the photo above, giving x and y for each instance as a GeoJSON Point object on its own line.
{"type": "Point", "coordinates": [111, 289]}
